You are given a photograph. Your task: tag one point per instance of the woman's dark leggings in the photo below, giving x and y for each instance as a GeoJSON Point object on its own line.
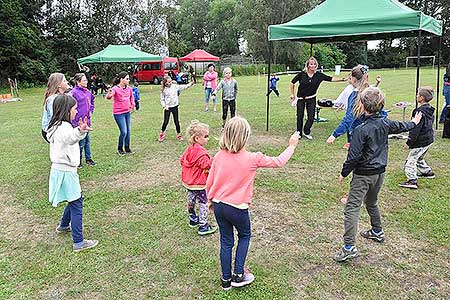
{"type": "Point", "coordinates": [174, 111]}
{"type": "Point", "coordinates": [310, 105]}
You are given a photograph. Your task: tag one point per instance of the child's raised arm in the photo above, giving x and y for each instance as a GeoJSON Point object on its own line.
{"type": "Point", "coordinates": [263, 161]}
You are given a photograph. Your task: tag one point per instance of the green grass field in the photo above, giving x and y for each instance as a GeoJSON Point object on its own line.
{"type": "Point", "coordinates": [136, 207]}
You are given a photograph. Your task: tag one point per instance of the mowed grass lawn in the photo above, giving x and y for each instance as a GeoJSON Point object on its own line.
{"type": "Point", "coordinates": [136, 207]}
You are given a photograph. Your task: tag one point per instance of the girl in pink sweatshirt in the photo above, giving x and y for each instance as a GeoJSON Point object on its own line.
{"type": "Point", "coordinates": [230, 188]}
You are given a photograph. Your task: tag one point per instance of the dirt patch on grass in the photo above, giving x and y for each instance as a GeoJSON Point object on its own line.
{"type": "Point", "coordinates": [20, 225]}
{"type": "Point", "coordinates": [153, 172]}
{"type": "Point", "coordinates": [262, 140]}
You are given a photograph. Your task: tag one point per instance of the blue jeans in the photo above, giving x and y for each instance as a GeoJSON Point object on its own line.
{"type": "Point", "coordinates": [208, 93]}
{"type": "Point", "coordinates": [228, 217]}
{"type": "Point", "coordinates": [124, 123]}
{"type": "Point", "coordinates": [73, 215]}
{"type": "Point", "coordinates": [447, 103]}
{"type": "Point", "coordinates": [86, 145]}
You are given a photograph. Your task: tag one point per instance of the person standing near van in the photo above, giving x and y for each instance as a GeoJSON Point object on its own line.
{"type": "Point", "coordinates": [210, 84]}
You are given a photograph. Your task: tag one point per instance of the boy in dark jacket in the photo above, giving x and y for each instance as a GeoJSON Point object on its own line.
{"type": "Point", "coordinates": [419, 141]}
{"type": "Point", "coordinates": [367, 159]}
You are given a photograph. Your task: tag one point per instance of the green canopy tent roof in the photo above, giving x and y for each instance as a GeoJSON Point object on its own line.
{"type": "Point", "coordinates": [118, 53]}
{"type": "Point", "coordinates": [351, 20]}
{"type": "Point", "coordinates": [355, 20]}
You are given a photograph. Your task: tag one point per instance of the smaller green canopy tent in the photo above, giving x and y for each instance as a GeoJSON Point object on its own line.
{"type": "Point", "coordinates": [118, 53]}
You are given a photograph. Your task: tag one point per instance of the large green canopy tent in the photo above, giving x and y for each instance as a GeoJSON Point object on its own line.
{"type": "Point", "coordinates": [356, 20]}
{"type": "Point", "coordinates": [118, 53]}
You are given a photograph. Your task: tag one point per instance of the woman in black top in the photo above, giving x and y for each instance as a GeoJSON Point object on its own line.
{"type": "Point", "coordinates": [308, 83]}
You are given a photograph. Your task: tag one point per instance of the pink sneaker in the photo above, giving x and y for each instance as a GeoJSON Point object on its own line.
{"type": "Point", "coordinates": [179, 137]}
{"type": "Point", "coordinates": [161, 136]}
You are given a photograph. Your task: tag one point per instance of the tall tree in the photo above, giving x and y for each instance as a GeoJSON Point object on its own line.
{"type": "Point", "coordinates": [256, 15]}
{"type": "Point", "coordinates": [23, 51]}
{"type": "Point", "coordinates": [224, 31]}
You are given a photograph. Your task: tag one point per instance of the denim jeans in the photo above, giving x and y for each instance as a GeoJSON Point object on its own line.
{"type": "Point", "coordinates": [86, 145]}
{"type": "Point", "coordinates": [447, 103]}
{"type": "Point", "coordinates": [229, 217]}
{"type": "Point", "coordinates": [208, 93]}
{"type": "Point", "coordinates": [73, 215]}
{"type": "Point", "coordinates": [124, 123]}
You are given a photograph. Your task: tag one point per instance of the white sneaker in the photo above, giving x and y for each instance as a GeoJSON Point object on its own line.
{"type": "Point", "coordinates": [307, 136]}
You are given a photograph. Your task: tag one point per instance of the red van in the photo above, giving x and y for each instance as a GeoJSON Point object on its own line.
{"type": "Point", "coordinates": [153, 71]}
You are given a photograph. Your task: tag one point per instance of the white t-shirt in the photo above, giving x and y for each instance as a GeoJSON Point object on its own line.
{"type": "Point", "coordinates": [342, 100]}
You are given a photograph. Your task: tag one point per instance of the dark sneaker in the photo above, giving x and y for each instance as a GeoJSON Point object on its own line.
{"type": "Point", "coordinates": [410, 184]}
{"type": "Point", "coordinates": [206, 229]}
{"type": "Point", "coordinates": [87, 244]}
{"type": "Point", "coordinates": [345, 254]}
{"type": "Point", "coordinates": [128, 151]}
{"type": "Point", "coordinates": [428, 175]}
{"type": "Point", "coordinates": [61, 229]}
{"type": "Point", "coordinates": [121, 152]}
{"type": "Point", "coordinates": [90, 162]}
{"type": "Point", "coordinates": [239, 280]}
{"type": "Point", "coordinates": [371, 235]}
{"type": "Point", "coordinates": [226, 284]}
{"type": "Point", "coordinates": [80, 166]}
{"type": "Point", "coordinates": [193, 221]}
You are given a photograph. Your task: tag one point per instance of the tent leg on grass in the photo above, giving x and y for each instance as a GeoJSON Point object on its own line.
{"type": "Point", "coordinates": [419, 42]}
{"type": "Point", "coordinates": [268, 86]}
{"type": "Point", "coordinates": [438, 81]}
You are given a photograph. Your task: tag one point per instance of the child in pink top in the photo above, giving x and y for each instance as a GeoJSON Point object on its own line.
{"type": "Point", "coordinates": [230, 188]}
{"type": "Point", "coordinates": [210, 84]}
{"type": "Point", "coordinates": [123, 104]}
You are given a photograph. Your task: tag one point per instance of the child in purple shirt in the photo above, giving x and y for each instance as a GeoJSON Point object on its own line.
{"type": "Point", "coordinates": [85, 107]}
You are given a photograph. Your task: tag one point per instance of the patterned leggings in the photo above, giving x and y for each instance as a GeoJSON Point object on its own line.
{"type": "Point", "coordinates": [200, 196]}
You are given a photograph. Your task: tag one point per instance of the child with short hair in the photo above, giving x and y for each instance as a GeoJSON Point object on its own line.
{"type": "Point", "coordinates": [273, 85]}
{"type": "Point", "coordinates": [195, 164]}
{"type": "Point", "coordinates": [367, 159]}
{"type": "Point", "coordinates": [230, 188]}
{"type": "Point", "coordinates": [419, 141]}
{"type": "Point", "coordinates": [229, 94]}
{"type": "Point", "coordinates": [169, 101]}
{"type": "Point", "coordinates": [136, 95]}
{"type": "Point", "coordinates": [64, 183]}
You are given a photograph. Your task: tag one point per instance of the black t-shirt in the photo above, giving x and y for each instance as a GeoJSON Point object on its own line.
{"type": "Point", "coordinates": [308, 86]}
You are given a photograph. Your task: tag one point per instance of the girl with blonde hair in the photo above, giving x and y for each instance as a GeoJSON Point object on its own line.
{"type": "Point", "coordinates": [195, 164]}
{"type": "Point", "coordinates": [56, 85]}
{"type": "Point", "coordinates": [230, 188]}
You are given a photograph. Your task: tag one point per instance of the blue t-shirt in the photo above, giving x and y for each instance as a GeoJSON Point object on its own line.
{"type": "Point", "coordinates": [273, 83]}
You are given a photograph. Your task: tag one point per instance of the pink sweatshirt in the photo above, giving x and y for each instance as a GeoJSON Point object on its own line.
{"type": "Point", "coordinates": [212, 77]}
{"type": "Point", "coordinates": [232, 175]}
{"type": "Point", "coordinates": [123, 100]}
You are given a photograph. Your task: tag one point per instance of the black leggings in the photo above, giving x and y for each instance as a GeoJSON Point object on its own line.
{"type": "Point", "coordinates": [310, 105]}
{"type": "Point", "coordinates": [225, 104]}
{"type": "Point", "coordinates": [174, 111]}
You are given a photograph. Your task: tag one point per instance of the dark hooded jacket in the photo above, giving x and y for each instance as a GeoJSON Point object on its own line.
{"type": "Point", "coordinates": [423, 134]}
